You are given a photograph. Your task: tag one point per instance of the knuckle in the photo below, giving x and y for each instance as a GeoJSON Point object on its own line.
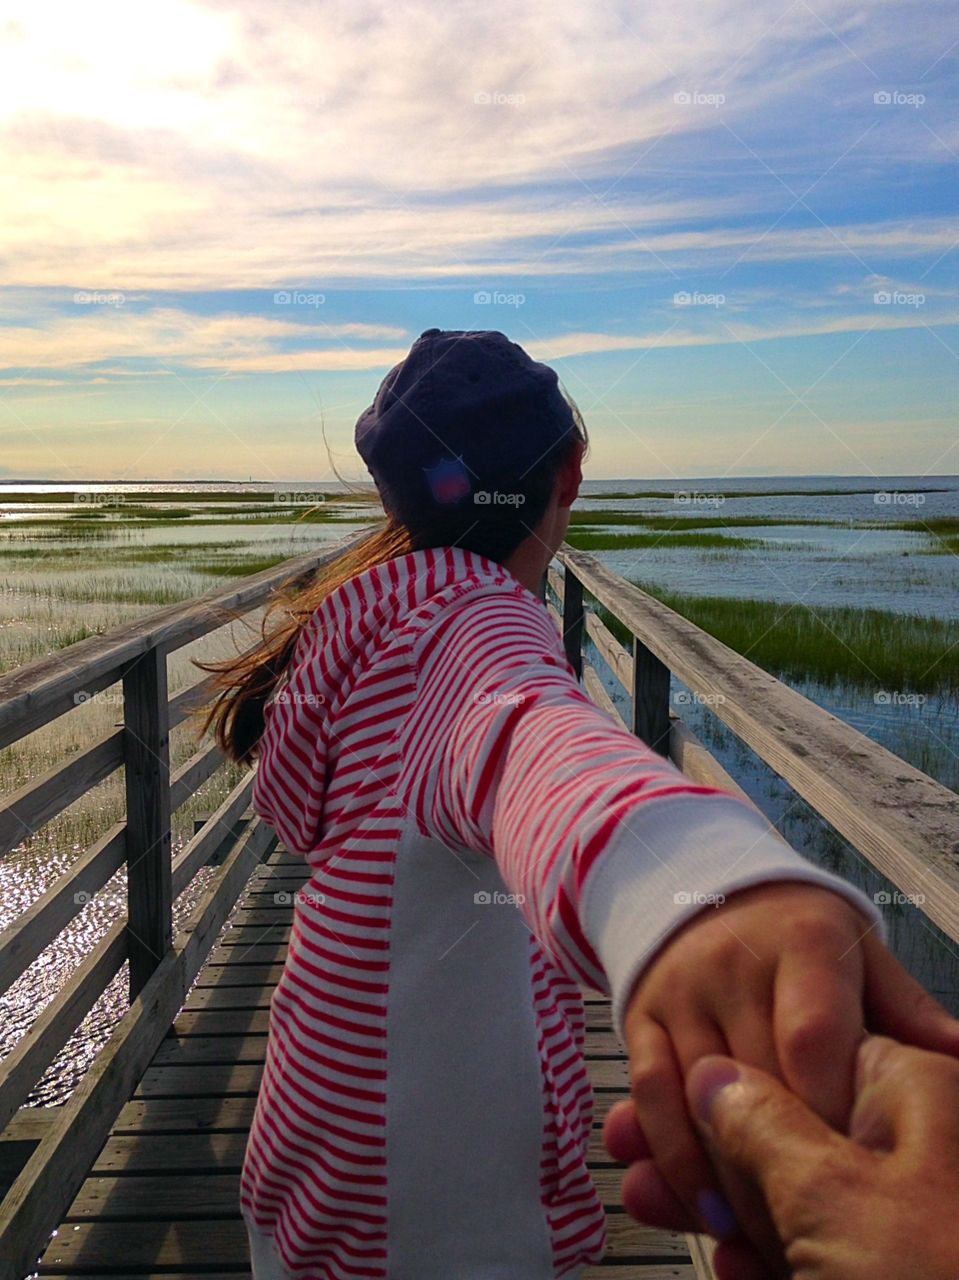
{"type": "Point", "coordinates": [650, 1076]}
{"type": "Point", "coordinates": [825, 930]}
{"type": "Point", "coordinates": [808, 1033]}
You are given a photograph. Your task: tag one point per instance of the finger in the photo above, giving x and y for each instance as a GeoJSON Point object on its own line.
{"type": "Point", "coordinates": [622, 1136]}
{"type": "Point", "coordinates": [758, 1128]}
{"type": "Point", "coordinates": [818, 1023]}
{"type": "Point", "coordinates": [905, 1099]}
{"type": "Point", "coordinates": [648, 1197]}
{"type": "Point", "coordinates": [900, 1007]}
{"type": "Point", "coordinates": [749, 1031]}
{"type": "Point", "coordinates": [656, 1086]}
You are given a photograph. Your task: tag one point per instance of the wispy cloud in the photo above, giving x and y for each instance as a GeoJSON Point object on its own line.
{"type": "Point", "coordinates": [585, 161]}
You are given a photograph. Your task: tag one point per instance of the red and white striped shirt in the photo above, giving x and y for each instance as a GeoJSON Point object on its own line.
{"type": "Point", "coordinates": [483, 840]}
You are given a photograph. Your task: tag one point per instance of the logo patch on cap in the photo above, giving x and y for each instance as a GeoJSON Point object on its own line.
{"type": "Point", "coordinates": [448, 480]}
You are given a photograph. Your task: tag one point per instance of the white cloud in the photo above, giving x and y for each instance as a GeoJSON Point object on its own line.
{"type": "Point", "coordinates": [244, 344]}
{"type": "Point", "coordinates": [225, 145]}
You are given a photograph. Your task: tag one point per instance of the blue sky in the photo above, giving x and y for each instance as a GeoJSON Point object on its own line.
{"type": "Point", "coordinates": [731, 228]}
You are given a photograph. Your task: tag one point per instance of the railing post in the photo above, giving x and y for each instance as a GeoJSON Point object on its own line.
{"type": "Point", "coordinates": [573, 620]}
{"type": "Point", "coordinates": [650, 698]}
{"type": "Point", "coordinates": [147, 768]}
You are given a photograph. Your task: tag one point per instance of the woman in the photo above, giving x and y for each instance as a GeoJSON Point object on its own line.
{"type": "Point", "coordinates": [483, 840]}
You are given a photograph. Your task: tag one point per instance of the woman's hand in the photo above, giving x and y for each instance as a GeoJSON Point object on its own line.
{"type": "Point", "coordinates": [783, 977]}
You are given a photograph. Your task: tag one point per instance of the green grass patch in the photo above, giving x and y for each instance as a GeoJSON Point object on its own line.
{"type": "Point", "coordinates": [118, 497]}
{"type": "Point", "coordinates": [874, 650]}
{"type": "Point", "coordinates": [237, 568]}
{"type": "Point", "coordinates": [588, 540]}
{"type": "Point", "coordinates": [742, 493]}
{"type": "Point", "coordinates": [692, 522]}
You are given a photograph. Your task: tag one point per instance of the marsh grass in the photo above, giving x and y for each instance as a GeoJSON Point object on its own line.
{"type": "Point", "coordinates": [683, 523]}
{"type": "Point", "coordinates": [190, 497]}
{"type": "Point", "coordinates": [871, 650]}
{"type": "Point", "coordinates": [666, 496]}
{"type": "Point", "coordinates": [588, 540]}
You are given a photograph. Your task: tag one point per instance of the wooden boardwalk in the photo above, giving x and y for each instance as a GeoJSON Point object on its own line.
{"type": "Point", "coordinates": [162, 1198]}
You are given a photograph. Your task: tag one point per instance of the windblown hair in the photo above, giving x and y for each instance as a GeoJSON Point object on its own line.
{"type": "Point", "coordinates": [244, 684]}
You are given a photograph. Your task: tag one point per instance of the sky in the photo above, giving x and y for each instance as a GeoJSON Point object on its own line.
{"type": "Point", "coordinates": [730, 226]}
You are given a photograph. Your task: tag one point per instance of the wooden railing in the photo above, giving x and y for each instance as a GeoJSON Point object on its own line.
{"type": "Point", "coordinates": [902, 821]}
{"type": "Point", "coordinates": [161, 966]}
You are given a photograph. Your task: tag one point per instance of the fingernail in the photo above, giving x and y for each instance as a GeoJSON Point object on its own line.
{"type": "Point", "coordinates": [710, 1082]}
{"type": "Point", "coordinates": [715, 1211]}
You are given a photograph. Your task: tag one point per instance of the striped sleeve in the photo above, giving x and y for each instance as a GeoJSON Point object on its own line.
{"type": "Point", "coordinates": [607, 847]}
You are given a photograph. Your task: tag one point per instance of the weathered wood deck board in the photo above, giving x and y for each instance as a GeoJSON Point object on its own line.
{"type": "Point", "coordinates": [162, 1196]}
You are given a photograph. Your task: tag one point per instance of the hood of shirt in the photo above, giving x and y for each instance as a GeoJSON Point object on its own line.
{"type": "Point", "coordinates": [359, 632]}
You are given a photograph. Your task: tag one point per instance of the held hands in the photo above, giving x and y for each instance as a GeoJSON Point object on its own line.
{"type": "Point", "coordinates": [880, 1203]}
{"type": "Point", "coordinates": [784, 977]}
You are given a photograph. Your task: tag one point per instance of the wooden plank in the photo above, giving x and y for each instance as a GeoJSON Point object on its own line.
{"type": "Point", "coordinates": [57, 1021]}
{"type": "Point", "coordinates": [597, 691]}
{"type": "Point", "coordinates": [650, 692]}
{"type": "Point", "coordinates": [241, 957]}
{"type": "Point", "coordinates": [219, 826]}
{"type": "Point", "coordinates": [617, 658]}
{"type": "Point", "coordinates": [627, 1239]}
{"type": "Point", "coordinates": [177, 1275]}
{"type": "Point", "coordinates": [151, 1198]}
{"type": "Point", "coordinates": [604, 1043]}
{"type": "Point", "coordinates": [197, 1247]}
{"type": "Point", "coordinates": [186, 1115]}
{"type": "Point", "coordinates": [147, 774]}
{"type": "Point", "coordinates": [223, 976]}
{"type": "Point", "coordinates": [38, 926]}
{"type": "Point", "coordinates": [24, 812]}
{"type": "Point", "coordinates": [689, 754]}
{"type": "Point", "coordinates": [256, 934]}
{"type": "Point", "coordinates": [701, 1250]}
{"type": "Point", "coordinates": [191, 775]}
{"type": "Point", "coordinates": [639, 1271]}
{"type": "Point", "coordinates": [903, 821]}
{"type": "Point", "coordinates": [223, 1022]}
{"type": "Point", "coordinates": [180, 1275]}
{"type": "Point", "coordinates": [53, 1175]}
{"type": "Point", "coordinates": [573, 621]}
{"type": "Point", "coordinates": [217, 1081]}
{"type": "Point", "coordinates": [603, 1103]}
{"type": "Point", "coordinates": [189, 1051]}
{"type": "Point", "coordinates": [222, 999]}
{"type": "Point", "coordinates": [30, 1124]}
{"type": "Point", "coordinates": [160, 1153]}
{"type": "Point", "coordinates": [98, 1249]}
{"type": "Point", "coordinates": [271, 914]}
{"type": "Point", "coordinates": [609, 1075]}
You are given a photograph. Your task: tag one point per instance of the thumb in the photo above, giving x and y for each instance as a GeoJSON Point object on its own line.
{"type": "Point", "coordinates": [757, 1129]}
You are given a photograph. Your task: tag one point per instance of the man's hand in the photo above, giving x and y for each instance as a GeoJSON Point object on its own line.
{"type": "Point", "coordinates": [783, 977]}
{"type": "Point", "coordinates": [882, 1202]}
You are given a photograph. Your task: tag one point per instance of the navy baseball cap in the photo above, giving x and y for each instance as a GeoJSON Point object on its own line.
{"type": "Point", "coordinates": [465, 411]}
